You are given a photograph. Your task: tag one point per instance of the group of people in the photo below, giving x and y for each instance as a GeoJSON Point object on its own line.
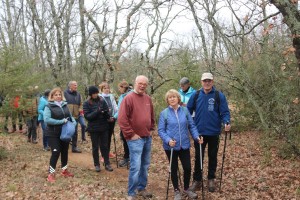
{"type": "Point", "coordinates": [199, 113]}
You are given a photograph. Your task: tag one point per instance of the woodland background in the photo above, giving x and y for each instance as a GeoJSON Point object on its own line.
{"type": "Point", "coordinates": [251, 46]}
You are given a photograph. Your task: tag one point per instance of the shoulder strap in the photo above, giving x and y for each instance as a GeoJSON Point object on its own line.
{"type": "Point", "coordinates": [165, 114]}
{"type": "Point", "coordinates": [186, 112]}
{"type": "Point", "coordinates": [217, 97]}
{"type": "Point", "coordinates": [195, 99]}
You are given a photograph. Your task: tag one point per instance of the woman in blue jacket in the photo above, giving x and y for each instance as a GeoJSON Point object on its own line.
{"type": "Point", "coordinates": [42, 104]}
{"type": "Point", "coordinates": [175, 124]}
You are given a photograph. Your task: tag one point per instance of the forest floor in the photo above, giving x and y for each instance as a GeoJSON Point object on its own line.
{"type": "Point", "coordinates": [250, 172]}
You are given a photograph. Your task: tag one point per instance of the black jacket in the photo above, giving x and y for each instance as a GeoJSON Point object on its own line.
{"type": "Point", "coordinates": [96, 113]}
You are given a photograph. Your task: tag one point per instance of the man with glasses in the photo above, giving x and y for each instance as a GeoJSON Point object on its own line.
{"type": "Point", "coordinates": [209, 117]}
{"type": "Point", "coordinates": [136, 120]}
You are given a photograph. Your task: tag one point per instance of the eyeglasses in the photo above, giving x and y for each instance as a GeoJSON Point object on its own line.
{"type": "Point", "coordinates": [207, 81]}
{"type": "Point", "coordinates": [143, 84]}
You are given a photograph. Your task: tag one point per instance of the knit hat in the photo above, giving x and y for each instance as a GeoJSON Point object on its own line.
{"type": "Point", "coordinates": [93, 90]}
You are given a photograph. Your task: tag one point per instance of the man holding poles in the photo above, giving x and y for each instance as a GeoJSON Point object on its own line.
{"type": "Point", "coordinates": [211, 111]}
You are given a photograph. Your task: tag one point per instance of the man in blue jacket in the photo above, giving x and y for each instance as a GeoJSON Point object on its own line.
{"type": "Point", "coordinates": [210, 114]}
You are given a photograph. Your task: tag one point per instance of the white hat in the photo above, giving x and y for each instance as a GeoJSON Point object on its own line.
{"type": "Point", "coordinates": [207, 76]}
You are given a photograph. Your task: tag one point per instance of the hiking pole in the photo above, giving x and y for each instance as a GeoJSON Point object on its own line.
{"type": "Point", "coordinates": [171, 157]}
{"type": "Point", "coordinates": [223, 158]}
{"type": "Point", "coordinates": [115, 149]}
{"type": "Point", "coordinates": [201, 167]}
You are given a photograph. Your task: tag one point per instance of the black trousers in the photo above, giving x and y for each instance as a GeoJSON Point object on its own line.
{"type": "Point", "coordinates": [213, 145]}
{"type": "Point", "coordinates": [58, 147]}
{"type": "Point", "coordinates": [125, 146]}
{"type": "Point", "coordinates": [31, 127]}
{"type": "Point", "coordinates": [185, 158]}
{"type": "Point", "coordinates": [100, 139]}
{"type": "Point", "coordinates": [111, 127]}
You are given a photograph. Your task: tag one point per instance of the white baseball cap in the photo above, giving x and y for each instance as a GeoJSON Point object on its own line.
{"type": "Point", "coordinates": [207, 75]}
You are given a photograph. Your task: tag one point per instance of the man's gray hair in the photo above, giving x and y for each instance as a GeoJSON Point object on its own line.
{"type": "Point", "coordinates": [70, 83]}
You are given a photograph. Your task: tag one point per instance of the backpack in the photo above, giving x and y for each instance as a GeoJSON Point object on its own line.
{"type": "Point", "coordinates": [166, 111]}
{"type": "Point", "coordinates": [217, 99]}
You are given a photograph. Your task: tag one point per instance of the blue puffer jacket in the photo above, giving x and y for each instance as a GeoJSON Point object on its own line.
{"type": "Point", "coordinates": [42, 104]}
{"type": "Point", "coordinates": [208, 115]}
{"type": "Point", "coordinates": [176, 125]}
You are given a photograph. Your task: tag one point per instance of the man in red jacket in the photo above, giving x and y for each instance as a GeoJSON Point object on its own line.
{"type": "Point", "coordinates": [136, 120]}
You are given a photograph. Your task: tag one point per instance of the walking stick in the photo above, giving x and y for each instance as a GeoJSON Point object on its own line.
{"type": "Point", "coordinates": [223, 159]}
{"type": "Point", "coordinates": [115, 149]}
{"type": "Point", "coordinates": [169, 173]}
{"type": "Point", "coordinates": [201, 167]}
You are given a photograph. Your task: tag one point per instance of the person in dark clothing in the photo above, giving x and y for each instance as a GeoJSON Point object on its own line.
{"type": "Point", "coordinates": [30, 105]}
{"type": "Point", "coordinates": [124, 90]}
{"type": "Point", "coordinates": [209, 117]}
{"type": "Point", "coordinates": [73, 99]}
{"type": "Point", "coordinates": [96, 112]}
{"type": "Point", "coordinates": [113, 108]}
{"type": "Point", "coordinates": [56, 114]}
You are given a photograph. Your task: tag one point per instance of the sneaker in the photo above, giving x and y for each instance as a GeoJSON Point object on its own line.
{"type": "Point", "coordinates": [97, 168]}
{"type": "Point", "coordinates": [111, 155]}
{"type": "Point", "coordinates": [34, 141]}
{"type": "Point", "coordinates": [51, 178]}
{"type": "Point", "coordinates": [76, 150]}
{"type": "Point", "coordinates": [190, 194]}
{"type": "Point", "coordinates": [124, 162]}
{"type": "Point", "coordinates": [177, 195]}
{"type": "Point", "coordinates": [66, 173]}
{"type": "Point", "coordinates": [195, 186]}
{"type": "Point", "coordinates": [145, 194]}
{"type": "Point", "coordinates": [108, 168]}
{"type": "Point", "coordinates": [211, 185]}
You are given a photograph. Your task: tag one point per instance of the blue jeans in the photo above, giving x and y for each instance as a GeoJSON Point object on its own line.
{"type": "Point", "coordinates": [83, 127]}
{"type": "Point", "coordinates": [45, 138]}
{"type": "Point", "coordinates": [140, 156]}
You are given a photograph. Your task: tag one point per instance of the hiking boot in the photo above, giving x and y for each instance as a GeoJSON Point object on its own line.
{"type": "Point", "coordinates": [195, 186]}
{"type": "Point", "coordinates": [51, 178]}
{"type": "Point", "coordinates": [145, 194]}
{"type": "Point", "coordinates": [34, 141]}
{"type": "Point", "coordinates": [76, 150]}
{"type": "Point", "coordinates": [111, 155]}
{"type": "Point", "coordinates": [177, 195]}
{"type": "Point", "coordinates": [211, 185]}
{"type": "Point", "coordinates": [97, 168]}
{"type": "Point", "coordinates": [124, 162]}
{"type": "Point", "coordinates": [190, 194]}
{"type": "Point", "coordinates": [66, 173]}
{"type": "Point", "coordinates": [108, 168]}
